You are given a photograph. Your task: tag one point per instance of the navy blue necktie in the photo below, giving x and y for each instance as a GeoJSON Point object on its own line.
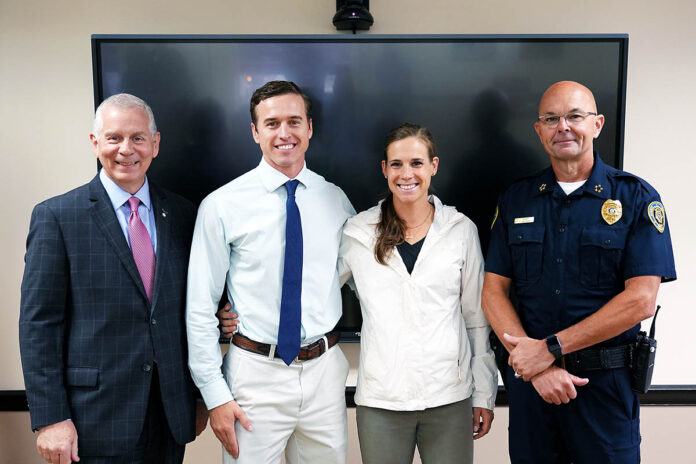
{"type": "Point", "coordinates": [290, 302]}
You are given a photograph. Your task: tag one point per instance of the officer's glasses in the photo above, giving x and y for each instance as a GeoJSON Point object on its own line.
{"type": "Point", "coordinates": [572, 118]}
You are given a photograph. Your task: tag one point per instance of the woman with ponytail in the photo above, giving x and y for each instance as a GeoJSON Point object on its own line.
{"type": "Point", "coordinates": [427, 377]}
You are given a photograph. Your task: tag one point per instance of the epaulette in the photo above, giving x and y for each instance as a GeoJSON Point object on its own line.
{"type": "Point", "coordinates": [627, 175]}
{"type": "Point", "coordinates": [534, 175]}
{"type": "Point", "coordinates": [524, 181]}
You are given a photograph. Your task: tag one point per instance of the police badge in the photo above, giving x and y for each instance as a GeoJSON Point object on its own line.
{"type": "Point", "coordinates": [611, 211]}
{"type": "Point", "coordinates": [656, 213]}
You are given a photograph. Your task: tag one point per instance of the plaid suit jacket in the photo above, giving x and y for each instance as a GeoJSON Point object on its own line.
{"type": "Point", "coordinates": [88, 334]}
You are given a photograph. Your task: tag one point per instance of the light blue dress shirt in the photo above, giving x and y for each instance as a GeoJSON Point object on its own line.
{"type": "Point", "coordinates": [239, 240]}
{"type": "Point", "coordinates": [119, 199]}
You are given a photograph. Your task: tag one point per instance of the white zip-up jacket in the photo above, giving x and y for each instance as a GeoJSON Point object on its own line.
{"type": "Point", "coordinates": [424, 338]}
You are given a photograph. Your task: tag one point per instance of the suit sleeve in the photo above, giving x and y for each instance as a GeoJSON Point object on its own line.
{"type": "Point", "coordinates": [42, 319]}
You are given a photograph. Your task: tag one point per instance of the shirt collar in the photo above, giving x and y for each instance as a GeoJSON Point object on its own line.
{"type": "Point", "coordinates": [118, 196]}
{"type": "Point", "coordinates": [597, 184]}
{"type": "Point", "coordinates": [272, 179]}
{"type": "Point", "coordinates": [546, 182]}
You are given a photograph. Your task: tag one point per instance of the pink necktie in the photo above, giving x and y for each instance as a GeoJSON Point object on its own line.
{"type": "Point", "coordinates": [141, 246]}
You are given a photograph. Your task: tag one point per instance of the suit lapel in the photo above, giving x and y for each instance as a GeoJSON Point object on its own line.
{"type": "Point", "coordinates": [161, 211]}
{"type": "Point", "coordinates": [103, 214]}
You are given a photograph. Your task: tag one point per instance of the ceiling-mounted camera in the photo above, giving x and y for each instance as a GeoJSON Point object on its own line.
{"type": "Point", "coordinates": [353, 15]}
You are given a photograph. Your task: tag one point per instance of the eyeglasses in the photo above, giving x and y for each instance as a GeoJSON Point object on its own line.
{"type": "Point", "coordinates": [572, 118]}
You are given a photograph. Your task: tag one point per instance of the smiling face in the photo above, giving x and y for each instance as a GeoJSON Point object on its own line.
{"type": "Point", "coordinates": [282, 130]}
{"type": "Point", "coordinates": [408, 169]}
{"type": "Point", "coordinates": [569, 142]}
{"type": "Point", "coordinates": [125, 146]}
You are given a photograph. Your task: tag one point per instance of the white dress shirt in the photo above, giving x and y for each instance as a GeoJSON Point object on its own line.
{"type": "Point", "coordinates": [239, 240]}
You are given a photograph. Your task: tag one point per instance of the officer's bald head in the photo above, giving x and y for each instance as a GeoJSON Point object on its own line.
{"type": "Point", "coordinates": [565, 91]}
{"type": "Point", "coordinates": [567, 126]}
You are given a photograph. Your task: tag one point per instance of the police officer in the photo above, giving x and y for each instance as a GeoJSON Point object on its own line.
{"type": "Point", "coordinates": [585, 247]}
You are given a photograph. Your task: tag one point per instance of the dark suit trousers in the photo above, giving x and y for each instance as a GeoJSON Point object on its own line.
{"type": "Point", "coordinates": [156, 444]}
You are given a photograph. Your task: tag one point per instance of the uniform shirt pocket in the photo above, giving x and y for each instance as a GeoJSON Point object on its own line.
{"type": "Point", "coordinates": [601, 255]}
{"type": "Point", "coordinates": [526, 244]}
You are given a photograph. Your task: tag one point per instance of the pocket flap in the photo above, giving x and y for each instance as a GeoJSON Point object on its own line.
{"type": "Point", "coordinates": [525, 233]}
{"type": "Point", "coordinates": [82, 376]}
{"type": "Point", "coordinates": [609, 238]}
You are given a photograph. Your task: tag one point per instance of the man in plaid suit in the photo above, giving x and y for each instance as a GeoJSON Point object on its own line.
{"type": "Point", "coordinates": [102, 335]}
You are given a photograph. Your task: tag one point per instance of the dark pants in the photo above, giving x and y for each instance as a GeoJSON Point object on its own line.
{"type": "Point", "coordinates": [155, 445]}
{"type": "Point", "coordinates": [600, 426]}
{"type": "Point", "coordinates": [443, 434]}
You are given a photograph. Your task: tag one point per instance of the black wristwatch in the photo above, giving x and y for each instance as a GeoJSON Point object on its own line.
{"type": "Point", "coordinates": [554, 346]}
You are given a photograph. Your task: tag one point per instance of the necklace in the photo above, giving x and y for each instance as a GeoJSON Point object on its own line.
{"type": "Point", "coordinates": [430, 211]}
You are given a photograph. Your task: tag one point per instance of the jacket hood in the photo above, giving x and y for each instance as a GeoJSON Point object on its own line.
{"type": "Point", "coordinates": [362, 226]}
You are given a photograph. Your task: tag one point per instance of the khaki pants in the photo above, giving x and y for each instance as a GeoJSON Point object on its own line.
{"type": "Point", "coordinates": [298, 410]}
{"type": "Point", "coordinates": [443, 434]}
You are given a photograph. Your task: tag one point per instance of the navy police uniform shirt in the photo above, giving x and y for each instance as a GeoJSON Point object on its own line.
{"type": "Point", "coordinates": [569, 255]}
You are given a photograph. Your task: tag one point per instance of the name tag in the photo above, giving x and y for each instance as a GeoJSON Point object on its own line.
{"type": "Point", "coordinates": [524, 220]}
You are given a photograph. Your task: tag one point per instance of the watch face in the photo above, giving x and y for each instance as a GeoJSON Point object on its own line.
{"type": "Point", "coordinates": [554, 346]}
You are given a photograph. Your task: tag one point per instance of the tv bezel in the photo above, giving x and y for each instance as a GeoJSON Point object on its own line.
{"type": "Point", "coordinates": [620, 39]}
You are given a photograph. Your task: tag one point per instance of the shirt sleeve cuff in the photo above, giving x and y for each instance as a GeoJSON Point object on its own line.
{"type": "Point", "coordinates": [483, 400]}
{"type": "Point", "coordinates": [216, 393]}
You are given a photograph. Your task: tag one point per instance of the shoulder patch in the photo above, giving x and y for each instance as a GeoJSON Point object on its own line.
{"type": "Point", "coordinates": [656, 213]}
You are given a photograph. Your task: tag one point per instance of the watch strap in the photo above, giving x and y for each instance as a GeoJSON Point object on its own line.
{"type": "Point", "coordinates": [554, 346]}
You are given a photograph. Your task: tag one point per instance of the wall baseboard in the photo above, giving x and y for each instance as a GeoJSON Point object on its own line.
{"type": "Point", "coordinates": [659, 395]}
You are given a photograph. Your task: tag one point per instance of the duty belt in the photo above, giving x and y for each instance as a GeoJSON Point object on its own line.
{"type": "Point", "coordinates": [595, 359]}
{"type": "Point", "coordinates": [311, 351]}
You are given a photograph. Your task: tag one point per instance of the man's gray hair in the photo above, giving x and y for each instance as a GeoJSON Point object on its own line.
{"type": "Point", "coordinates": [123, 100]}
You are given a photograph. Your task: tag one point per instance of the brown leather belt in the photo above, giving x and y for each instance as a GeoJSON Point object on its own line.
{"type": "Point", "coordinates": [311, 351]}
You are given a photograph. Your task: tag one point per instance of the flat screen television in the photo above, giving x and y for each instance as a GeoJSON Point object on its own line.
{"type": "Point", "coordinates": [477, 94]}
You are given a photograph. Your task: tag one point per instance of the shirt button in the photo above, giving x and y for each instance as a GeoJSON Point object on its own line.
{"type": "Point", "coordinates": [557, 292]}
{"type": "Point", "coordinates": [559, 260]}
{"type": "Point", "coordinates": [567, 201]}
{"type": "Point", "coordinates": [607, 242]}
{"type": "Point", "coordinates": [519, 237]}
{"type": "Point", "coordinates": [146, 367]}
{"type": "Point", "coordinates": [561, 229]}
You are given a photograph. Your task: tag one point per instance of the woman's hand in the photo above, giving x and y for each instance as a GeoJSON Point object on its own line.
{"type": "Point", "coordinates": [483, 418]}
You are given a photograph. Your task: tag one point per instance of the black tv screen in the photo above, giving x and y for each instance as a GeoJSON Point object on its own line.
{"type": "Point", "coordinates": [477, 94]}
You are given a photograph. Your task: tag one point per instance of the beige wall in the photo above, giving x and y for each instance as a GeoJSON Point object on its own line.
{"type": "Point", "coordinates": [667, 436]}
{"type": "Point", "coordinates": [46, 108]}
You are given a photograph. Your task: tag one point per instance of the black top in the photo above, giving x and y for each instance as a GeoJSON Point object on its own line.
{"type": "Point", "coordinates": [409, 253]}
